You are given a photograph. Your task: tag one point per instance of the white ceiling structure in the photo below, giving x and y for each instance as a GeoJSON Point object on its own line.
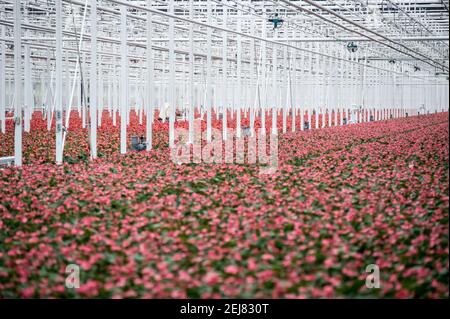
{"type": "Point", "coordinates": [219, 55]}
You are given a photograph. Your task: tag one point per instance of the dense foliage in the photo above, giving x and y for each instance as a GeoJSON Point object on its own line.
{"type": "Point", "coordinates": [141, 226]}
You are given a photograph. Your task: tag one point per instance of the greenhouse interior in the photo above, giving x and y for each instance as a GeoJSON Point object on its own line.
{"type": "Point", "coordinates": [216, 149]}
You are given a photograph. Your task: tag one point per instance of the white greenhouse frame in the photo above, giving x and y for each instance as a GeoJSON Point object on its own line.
{"type": "Point", "coordinates": [219, 57]}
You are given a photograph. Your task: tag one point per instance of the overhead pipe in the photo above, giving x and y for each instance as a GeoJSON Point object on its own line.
{"type": "Point", "coordinates": [312, 3]}
{"type": "Point", "coordinates": [143, 45]}
{"type": "Point", "coordinates": [168, 15]}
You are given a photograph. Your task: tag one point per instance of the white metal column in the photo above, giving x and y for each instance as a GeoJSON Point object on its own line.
{"type": "Point", "coordinates": [59, 88]}
{"type": "Point", "coordinates": [150, 100]}
{"type": "Point", "coordinates": [191, 74]}
{"type": "Point", "coordinates": [123, 80]}
{"type": "Point", "coordinates": [93, 100]}
{"type": "Point", "coordinates": [18, 84]}
{"type": "Point", "coordinates": [209, 93]}
{"type": "Point", "coordinates": [2, 75]}
{"type": "Point", "coordinates": [172, 79]}
{"type": "Point", "coordinates": [274, 85]}
{"type": "Point", "coordinates": [238, 101]}
{"type": "Point", "coordinates": [224, 74]}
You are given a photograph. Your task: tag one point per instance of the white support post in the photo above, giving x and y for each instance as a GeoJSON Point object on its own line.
{"type": "Point", "coordinates": [17, 85]}
{"type": "Point", "coordinates": [49, 91]}
{"type": "Point", "coordinates": [329, 91]}
{"type": "Point", "coordinates": [191, 74]}
{"type": "Point", "coordinates": [330, 95]}
{"type": "Point", "coordinates": [172, 80]}
{"type": "Point", "coordinates": [274, 84]}
{"type": "Point", "coordinates": [316, 99]}
{"type": "Point", "coordinates": [59, 87]}
{"type": "Point", "coordinates": [109, 89]}
{"type": "Point", "coordinates": [316, 92]}
{"type": "Point", "coordinates": [101, 93]}
{"type": "Point", "coordinates": [224, 74]}
{"type": "Point", "coordinates": [77, 88]}
{"type": "Point", "coordinates": [293, 65]}
{"type": "Point", "coordinates": [362, 88]}
{"type": "Point", "coordinates": [301, 89]}
{"type": "Point", "coordinates": [209, 93]}
{"type": "Point", "coordinates": [252, 86]}
{"type": "Point", "coordinates": [28, 93]}
{"type": "Point", "coordinates": [150, 81]}
{"type": "Point", "coordinates": [238, 101]}
{"type": "Point", "coordinates": [285, 82]}
{"type": "Point", "coordinates": [323, 87]}
{"type": "Point", "coordinates": [117, 98]}
{"type": "Point", "coordinates": [263, 91]}
{"type": "Point", "coordinates": [341, 105]}
{"type": "Point", "coordinates": [302, 97]}
{"type": "Point", "coordinates": [83, 84]}
{"type": "Point", "coordinates": [93, 100]}
{"type": "Point", "coordinates": [66, 85]}
{"type": "Point", "coordinates": [123, 79]}
{"type": "Point", "coordinates": [2, 75]}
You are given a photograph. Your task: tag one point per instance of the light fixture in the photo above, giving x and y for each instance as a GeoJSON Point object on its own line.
{"type": "Point", "coordinates": [276, 21]}
{"type": "Point", "coordinates": [352, 47]}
